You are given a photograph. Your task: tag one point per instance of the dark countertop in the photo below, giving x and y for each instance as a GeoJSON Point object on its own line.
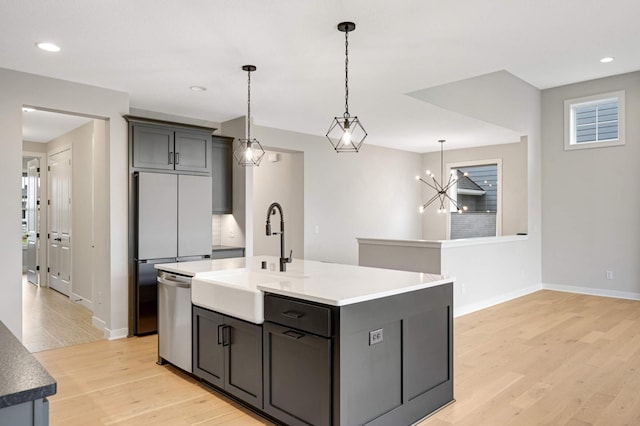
{"type": "Point", "coordinates": [22, 377]}
{"type": "Point", "coordinates": [222, 248]}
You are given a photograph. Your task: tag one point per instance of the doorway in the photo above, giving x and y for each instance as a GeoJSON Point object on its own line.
{"type": "Point", "coordinates": [58, 296]}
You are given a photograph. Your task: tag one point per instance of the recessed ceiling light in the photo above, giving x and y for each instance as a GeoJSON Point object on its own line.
{"type": "Point", "coordinates": [198, 88]}
{"type": "Point", "coordinates": [28, 109]}
{"type": "Point", "coordinates": [49, 47]}
{"type": "Point", "coordinates": [607, 59]}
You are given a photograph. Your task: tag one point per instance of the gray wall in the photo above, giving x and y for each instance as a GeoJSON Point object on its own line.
{"type": "Point", "coordinates": [591, 198]}
{"type": "Point", "coordinates": [281, 181]}
{"type": "Point", "coordinates": [368, 194]}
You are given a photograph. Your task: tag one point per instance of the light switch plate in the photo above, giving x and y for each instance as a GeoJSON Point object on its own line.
{"type": "Point", "coordinates": [375, 336]}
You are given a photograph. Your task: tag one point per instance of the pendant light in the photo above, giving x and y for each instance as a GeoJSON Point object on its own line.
{"type": "Point", "coordinates": [346, 133]}
{"type": "Point", "coordinates": [441, 188]}
{"type": "Point", "coordinates": [248, 152]}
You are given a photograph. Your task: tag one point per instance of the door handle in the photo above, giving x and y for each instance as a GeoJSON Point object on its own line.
{"type": "Point", "coordinates": [220, 338]}
{"type": "Point", "coordinates": [170, 157]}
{"type": "Point", "coordinates": [177, 158]}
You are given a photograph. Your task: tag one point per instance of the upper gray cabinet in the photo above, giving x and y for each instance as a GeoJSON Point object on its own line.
{"type": "Point", "coordinates": [166, 147]}
{"type": "Point", "coordinates": [221, 174]}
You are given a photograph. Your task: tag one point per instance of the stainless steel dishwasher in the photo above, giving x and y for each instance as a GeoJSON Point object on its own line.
{"type": "Point", "coordinates": [174, 319]}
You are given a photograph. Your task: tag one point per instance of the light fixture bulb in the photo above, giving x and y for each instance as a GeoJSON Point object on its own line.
{"type": "Point", "coordinates": [347, 137]}
{"type": "Point", "coordinates": [421, 209]}
{"type": "Point", "coordinates": [49, 47]}
{"type": "Point", "coordinates": [428, 172]}
{"type": "Point", "coordinates": [417, 177]}
{"type": "Point", "coordinates": [607, 59]}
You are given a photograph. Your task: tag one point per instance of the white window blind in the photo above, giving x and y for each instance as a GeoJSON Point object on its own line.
{"type": "Point", "coordinates": [594, 121]}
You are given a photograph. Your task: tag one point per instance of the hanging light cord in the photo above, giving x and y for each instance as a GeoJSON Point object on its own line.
{"type": "Point", "coordinates": [346, 74]}
{"type": "Point", "coordinates": [248, 105]}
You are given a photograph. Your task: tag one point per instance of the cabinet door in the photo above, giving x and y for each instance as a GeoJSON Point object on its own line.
{"type": "Point", "coordinates": [194, 216]}
{"type": "Point", "coordinates": [297, 376]}
{"type": "Point", "coordinates": [208, 352]}
{"type": "Point", "coordinates": [157, 215]}
{"type": "Point", "coordinates": [153, 147]}
{"type": "Point", "coordinates": [192, 151]}
{"type": "Point", "coordinates": [243, 363]}
{"type": "Point", "coordinates": [221, 175]}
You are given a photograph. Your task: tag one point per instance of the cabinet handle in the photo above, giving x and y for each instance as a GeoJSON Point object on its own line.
{"type": "Point", "coordinates": [170, 157]}
{"type": "Point", "coordinates": [293, 314]}
{"type": "Point", "coordinates": [220, 337]}
{"type": "Point", "coordinates": [226, 335]}
{"type": "Point", "coordinates": [293, 334]}
{"type": "Point", "coordinates": [177, 157]}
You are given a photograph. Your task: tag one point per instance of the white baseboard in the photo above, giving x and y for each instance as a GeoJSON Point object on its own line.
{"type": "Point", "coordinates": [118, 333]}
{"type": "Point", "coordinates": [109, 334]}
{"type": "Point", "coordinates": [459, 311]}
{"type": "Point", "coordinates": [78, 299]}
{"type": "Point", "coordinates": [603, 292]}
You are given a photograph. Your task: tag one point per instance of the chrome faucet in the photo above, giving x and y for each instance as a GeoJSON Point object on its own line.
{"type": "Point", "coordinates": [272, 210]}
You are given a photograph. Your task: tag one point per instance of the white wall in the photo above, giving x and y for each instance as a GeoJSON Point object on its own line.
{"type": "Point", "coordinates": [514, 186]}
{"type": "Point", "coordinates": [371, 193]}
{"type": "Point", "coordinates": [279, 181]}
{"type": "Point", "coordinates": [80, 141]}
{"type": "Point", "coordinates": [490, 273]}
{"type": "Point", "coordinates": [591, 199]}
{"type": "Point", "coordinates": [20, 89]}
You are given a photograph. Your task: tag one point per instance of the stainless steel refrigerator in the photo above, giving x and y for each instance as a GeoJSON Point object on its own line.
{"type": "Point", "coordinates": [172, 224]}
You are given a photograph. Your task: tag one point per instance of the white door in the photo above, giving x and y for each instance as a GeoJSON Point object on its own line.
{"type": "Point", "coordinates": [33, 219]}
{"type": "Point", "coordinates": [59, 267]}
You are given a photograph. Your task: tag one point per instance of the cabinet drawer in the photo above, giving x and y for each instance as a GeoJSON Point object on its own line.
{"type": "Point", "coordinates": [297, 314]}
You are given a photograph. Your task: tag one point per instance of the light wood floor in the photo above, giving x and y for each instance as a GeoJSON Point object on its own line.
{"type": "Point", "coordinates": [50, 320]}
{"type": "Point", "coordinates": [549, 358]}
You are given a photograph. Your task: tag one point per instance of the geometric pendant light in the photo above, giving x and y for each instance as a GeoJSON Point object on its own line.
{"type": "Point", "coordinates": [248, 152]}
{"type": "Point", "coordinates": [346, 133]}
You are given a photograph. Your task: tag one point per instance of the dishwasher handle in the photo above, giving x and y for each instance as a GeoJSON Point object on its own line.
{"type": "Point", "coordinates": [165, 279]}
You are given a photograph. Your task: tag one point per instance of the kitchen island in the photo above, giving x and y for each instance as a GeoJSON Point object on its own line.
{"type": "Point", "coordinates": [323, 344]}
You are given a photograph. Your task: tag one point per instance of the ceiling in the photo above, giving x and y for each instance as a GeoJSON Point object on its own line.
{"type": "Point", "coordinates": [154, 50]}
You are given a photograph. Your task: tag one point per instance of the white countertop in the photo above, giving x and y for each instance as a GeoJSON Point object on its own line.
{"type": "Point", "coordinates": [327, 283]}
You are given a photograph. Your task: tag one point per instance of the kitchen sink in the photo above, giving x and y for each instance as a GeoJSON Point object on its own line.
{"type": "Point", "coordinates": [234, 292]}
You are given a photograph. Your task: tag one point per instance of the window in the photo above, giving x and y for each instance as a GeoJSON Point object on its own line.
{"type": "Point", "coordinates": [478, 193]}
{"type": "Point", "coordinates": [594, 121]}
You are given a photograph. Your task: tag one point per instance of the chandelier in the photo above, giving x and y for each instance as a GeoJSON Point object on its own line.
{"type": "Point", "coordinates": [248, 152]}
{"type": "Point", "coordinates": [442, 188]}
{"type": "Point", "coordinates": [346, 133]}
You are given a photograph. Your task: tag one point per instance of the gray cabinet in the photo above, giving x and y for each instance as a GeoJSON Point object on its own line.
{"type": "Point", "coordinates": [160, 147]}
{"type": "Point", "coordinates": [221, 175]}
{"type": "Point", "coordinates": [297, 376]}
{"type": "Point", "coordinates": [386, 361]}
{"type": "Point", "coordinates": [227, 353]}
{"type": "Point", "coordinates": [31, 413]}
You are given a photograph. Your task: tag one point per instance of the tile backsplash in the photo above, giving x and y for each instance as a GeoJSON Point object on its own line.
{"type": "Point", "coordinates": [216, 229]}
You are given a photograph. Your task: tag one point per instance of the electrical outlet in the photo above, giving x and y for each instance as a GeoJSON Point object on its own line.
{"type": "Point", "coordinates": [375, 336]}
{"type": "Point", "coordinates": [609, 275]}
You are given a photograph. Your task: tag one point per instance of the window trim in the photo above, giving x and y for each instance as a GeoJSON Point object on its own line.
{"type": "Point", "coordinates": [569, 121]}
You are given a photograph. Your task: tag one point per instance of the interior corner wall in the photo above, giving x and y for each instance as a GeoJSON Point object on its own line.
{"type": "Point", "coordinates": [233, 229]}
{"type": "Point", "coordinates": [80, 141]}
{"type": "Point", "coordinates": [591, 199]}
{"type": "Point", "coordinates": [514, 186]}
{"type": "Point", "coordinates": [20, 89]}
{"type": "Point", "coordinates": [371, 194]}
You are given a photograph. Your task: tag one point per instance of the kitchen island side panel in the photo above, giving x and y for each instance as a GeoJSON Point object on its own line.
{"type": "Point", "coordinates": [398, 352]}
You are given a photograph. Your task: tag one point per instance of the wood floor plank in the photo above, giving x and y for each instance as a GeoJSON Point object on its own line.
{"type": "Point", "coordinates": [548, 358]}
